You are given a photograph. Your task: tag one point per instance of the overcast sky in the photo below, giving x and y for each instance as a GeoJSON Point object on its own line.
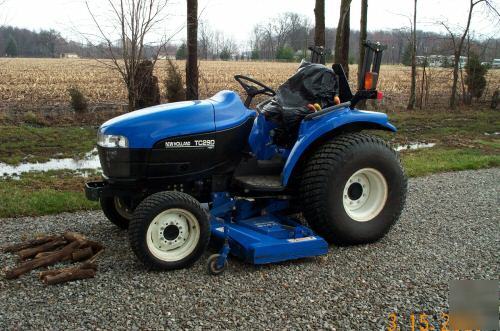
{"type": "Point", "coordinates": [237, 17]}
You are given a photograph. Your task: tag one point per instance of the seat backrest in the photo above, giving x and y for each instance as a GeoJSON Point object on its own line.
{"type": "Point", "coordinates": [345, 93]}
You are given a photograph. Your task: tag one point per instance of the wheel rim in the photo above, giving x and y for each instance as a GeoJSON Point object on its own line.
{"type": "Point", "coordinates": [173, 234]}
{"type": "Point", "coordinates": [122, 209]}
{"type": "Point", "coordinates": [365, 194]}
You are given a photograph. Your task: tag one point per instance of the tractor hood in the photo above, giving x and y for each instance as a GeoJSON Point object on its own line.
{"type": "Point", "coordinates": [146, 126]}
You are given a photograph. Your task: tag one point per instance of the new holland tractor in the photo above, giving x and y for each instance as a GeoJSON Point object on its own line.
{"type": "Point", "coordinates": [269, 183]}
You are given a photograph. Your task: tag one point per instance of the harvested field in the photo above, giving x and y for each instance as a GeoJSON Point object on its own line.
{"type": "Point", "coordinates": [41, 84]}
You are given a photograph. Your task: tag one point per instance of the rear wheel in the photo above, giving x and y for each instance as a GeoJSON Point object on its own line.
{"type": "Point", "coordinates": [353, 189]}
{"type": "Point", "coordinates": [117, 211]}
{"type": "Point", "coordinates": [169, 230]}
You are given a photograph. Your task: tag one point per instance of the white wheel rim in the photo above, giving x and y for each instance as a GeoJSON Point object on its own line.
{"type": "Point", "coordinates": [365, 194]}
{"type": "Point", "coordinates": [173, 234]}
{"type": "Point", "coordinates": [122, 209]}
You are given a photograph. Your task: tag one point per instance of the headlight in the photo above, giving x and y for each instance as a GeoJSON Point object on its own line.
{"type": "Point", "coordinates": [114, 141]}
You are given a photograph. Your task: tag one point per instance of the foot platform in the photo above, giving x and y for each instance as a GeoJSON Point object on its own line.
{"type": "Point", "coordinates": [260, 183]}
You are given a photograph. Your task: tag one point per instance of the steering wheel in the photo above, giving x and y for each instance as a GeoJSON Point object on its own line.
{"type": "Point", "coordinates": [252, 90]}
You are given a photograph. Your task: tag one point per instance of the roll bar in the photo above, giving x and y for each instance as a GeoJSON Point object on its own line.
{"type": "Point", "coordinates": [368, 78]}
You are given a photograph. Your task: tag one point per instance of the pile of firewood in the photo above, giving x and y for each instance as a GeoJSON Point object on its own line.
{"type": "Point", "coordinates": [45, 251]}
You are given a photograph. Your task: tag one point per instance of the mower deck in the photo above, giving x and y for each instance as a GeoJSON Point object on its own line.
{"type": "Point", "coordinates": [269, 239]}
{"type": "Point", "coordinates": [257, 233]}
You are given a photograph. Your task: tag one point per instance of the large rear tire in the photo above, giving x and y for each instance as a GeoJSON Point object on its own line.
{"type": "Point", "coordinates": [353, 189]}
{"type": "Point", "coordinates": [169, 230]}
{"type": "Point", "coordinates": [117, 211]}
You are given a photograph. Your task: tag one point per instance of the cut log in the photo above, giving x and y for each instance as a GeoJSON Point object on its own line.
{"type": "Point", "coordinates": [68, 276]}
{"type": "Point", "coordinates": [44, 261]}
{"type": "Point", "coordinates": [74, 236]}
{"type": "Point", "coordinates": [96, 255]}
{"type": "Point", "coordinates": [28, 244]}
{"type": "Point", "coordinates": [82, 254]}
{"type": "Point", "coordinates": [48, 246]}
{"type": "Point", "coordinates": [43, 254]}
{"type": "Point", "coordinates": [96, 247]}
{"type": "Point", "coordinates": [53, 272]}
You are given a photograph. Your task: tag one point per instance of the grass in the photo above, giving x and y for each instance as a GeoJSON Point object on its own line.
{"type": "Point", "coordinates": [434, 160]}
{"type": "Point", "coordinates": [493, 143]}
{"type": "Point", "coordinates": [460, 137]}
{"type": "Point", "coordinates": [37, 144]}
{"type": "Point", "coordinates": [451, 128]}
{"type": "Point", "coordinates": [42, 193]}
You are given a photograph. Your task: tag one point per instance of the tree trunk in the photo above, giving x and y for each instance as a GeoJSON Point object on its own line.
{"type": "Point", "coordinates": [362, 38]}
{"type": "Point", "coordinates": [319, 30]}
{"type": "Point", "coordinates": [466, 93]}
{"type": "Point", "coordinates": [413, 87]}
{"type": "Point", "coordinates": [131, 97]}
{"type": "Point", "coordinates": [192, 51]}
{"type": "Point", "coordinates": [342, 38]}
{"type": "Point", "coordinates": [458, 52]}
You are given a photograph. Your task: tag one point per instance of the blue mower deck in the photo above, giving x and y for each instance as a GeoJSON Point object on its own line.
{"type": "Point", "coordinates": [269, 239]}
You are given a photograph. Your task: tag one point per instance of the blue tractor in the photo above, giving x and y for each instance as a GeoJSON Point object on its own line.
{"type": "Point", "coordinates": [270, 183]}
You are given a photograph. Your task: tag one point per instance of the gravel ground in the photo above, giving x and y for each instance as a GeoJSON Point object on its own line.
{"type": "Point", "coordinates": [449, 230]}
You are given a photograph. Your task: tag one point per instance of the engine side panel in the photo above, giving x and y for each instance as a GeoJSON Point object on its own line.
{"type": "Point", "coordinates": [199, 156]}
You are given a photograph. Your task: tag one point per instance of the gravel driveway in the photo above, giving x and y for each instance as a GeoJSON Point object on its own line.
{"type": "Point", "coordinates": [449, 230]}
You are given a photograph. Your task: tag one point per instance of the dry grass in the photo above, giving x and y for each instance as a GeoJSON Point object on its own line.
{"type": "Point", "coordinates": [27, 84]}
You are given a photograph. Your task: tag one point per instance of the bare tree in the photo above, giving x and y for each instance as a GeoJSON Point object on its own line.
{"type": "Point", "coordinates": [413, 87]}
{"type": "Point", "coordinates": [299, 30]}
{"type": "Point", "coordinates": [206, 40]}
{"type": "Point", "coordinates": [287, 30]}
{"type": "Point", "coordinates": [342, 38]}
{"type": "Point", "coordinates": [362, 38]}
{"type": "Point", "coordinates": [319, 30]}
{"type": "Point", "coordinates": [282, 27]}
{"type": "Point", "coordinates": [192, 50]}
{"type": "Point", "coordinates": [275, 34]}
{"type": "Point", "coordinates": [134, 19]}
{"type": "Point", "coordinates": [458, 43]}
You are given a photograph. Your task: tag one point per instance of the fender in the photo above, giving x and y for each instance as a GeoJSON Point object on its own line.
{"type": "Point", "coordinates": [314, 129]}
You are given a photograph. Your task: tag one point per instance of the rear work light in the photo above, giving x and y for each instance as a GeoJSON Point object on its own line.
{"type": "Point", "coordinates": [380, 95]}
{"type": "Point", "coordinates": [370, 80]}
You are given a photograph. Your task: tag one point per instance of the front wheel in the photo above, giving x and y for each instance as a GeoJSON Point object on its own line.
{"type": "Point", "coordinates": [117, 211]}
{"type": "Point", "coordinates": [213, 267]}
{"type": "Point", "coordinates": [353, 189]}
{"type": "Point", "coordinates": [169, 230]}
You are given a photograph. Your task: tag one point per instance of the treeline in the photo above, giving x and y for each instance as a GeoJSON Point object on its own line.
{"type": "Point", "coordinates": [25, 43]}
{"type": "Point", "coordinates": [288, 36]}
{"type": "Point", "coordinates": [284, 38]}
{"type": "Point", "coordinates": [18, 42]}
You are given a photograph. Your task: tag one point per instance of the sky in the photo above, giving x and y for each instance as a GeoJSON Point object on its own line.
{"type": "Point", "coordinates": [236, 18]}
